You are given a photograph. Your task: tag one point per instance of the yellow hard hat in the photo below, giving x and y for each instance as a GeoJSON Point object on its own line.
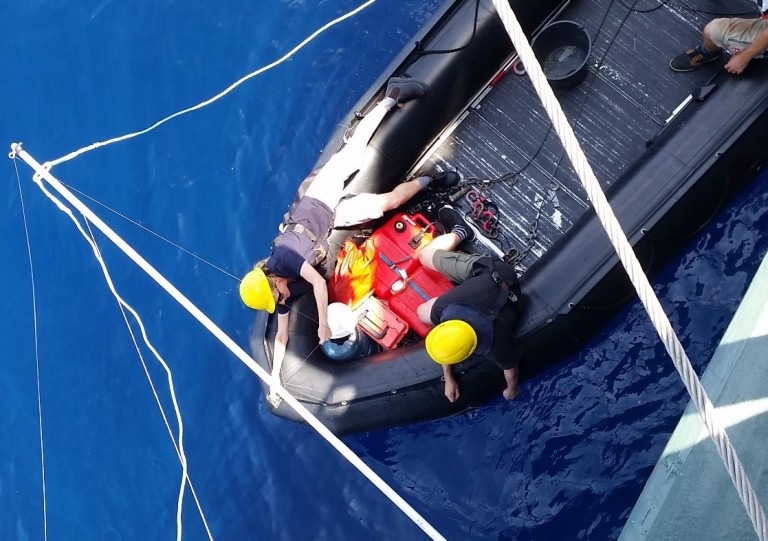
{"type": "Point", "coordinates": [256, 291]}
{"type": "Point", "coordinates": [451, 342]}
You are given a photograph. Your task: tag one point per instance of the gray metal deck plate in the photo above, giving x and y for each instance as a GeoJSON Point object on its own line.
{"type": "Point", "coordinates": [627, 95]}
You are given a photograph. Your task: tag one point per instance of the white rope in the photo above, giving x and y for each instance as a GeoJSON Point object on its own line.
{"type": "Point", "coordinates": [221, 94]}
{"type": "Point", "coordinates": [634, 270]}
{"type": "Point", "coordinates": [122, 303]}
{"type": "Point", "coordinates": [37, 354]}
{"type": "Point", "coordinates": [346, 452]}
{"type": "Point", "coordinates": [178, 446]}
{"type": "Point", "coordinates": [160, 406]}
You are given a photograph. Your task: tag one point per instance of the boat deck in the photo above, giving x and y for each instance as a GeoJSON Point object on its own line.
{"type": "Point", "coordinates": [571, 281]}
{"type": "Point", "coordinates": [622, 104]}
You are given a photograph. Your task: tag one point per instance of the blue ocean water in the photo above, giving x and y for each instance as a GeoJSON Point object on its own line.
{"type": "Point", "coordinates": [566, 460]}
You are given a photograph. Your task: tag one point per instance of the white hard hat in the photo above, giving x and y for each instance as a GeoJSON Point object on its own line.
{"type": "Point", "coordinates": [341, 320]}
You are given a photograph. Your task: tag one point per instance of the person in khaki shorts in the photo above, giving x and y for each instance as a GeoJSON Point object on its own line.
{"type": "Point", "coordinates": [290, 270]}
{"type": "Point", "coordinates": [743, 39]}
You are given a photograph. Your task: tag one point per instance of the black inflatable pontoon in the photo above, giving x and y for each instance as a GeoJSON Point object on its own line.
{"type": "Point", "coordinates": [668, 148]}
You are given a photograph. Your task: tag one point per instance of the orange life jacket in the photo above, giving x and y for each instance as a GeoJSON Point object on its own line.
{"type": "Point", "coordinates": [352, 279]}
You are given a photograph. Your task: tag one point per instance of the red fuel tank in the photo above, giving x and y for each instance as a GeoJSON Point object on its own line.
{"type": "Point", "coordinates": [400, 279]}
{"type": "Point", "coordinates": [397, 243]}
{"type": "Point", "coordinates": [422, 285]}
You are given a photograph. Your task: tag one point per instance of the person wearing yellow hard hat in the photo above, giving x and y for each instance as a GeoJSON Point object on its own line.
{"type": "Point", "coordinates": [451, 342]}
{"type": "Point", "coordinates": [290, 271]}
{"type": "Point", "coordinates": [477, 317]}
{"type": "Point", "coordinates": [256, 290]}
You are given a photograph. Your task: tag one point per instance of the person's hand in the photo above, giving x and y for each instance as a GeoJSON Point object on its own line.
{"type": "Point", "coordinates": [737, 63]}
{"type": "Point", "coordinates": [323, 333]}
{"type": "Point", "coordinates": [510, 393]}
{"type": "Point", "coordinates": [451, 390]}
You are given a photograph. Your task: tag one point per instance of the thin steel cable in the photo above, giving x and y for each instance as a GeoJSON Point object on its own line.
{"type": "Point", "coordinates": [97, 253]}
{"type": "Point", "coordinates": [151, 232]}
{"type": "Point", "coordinates": [37, 353]}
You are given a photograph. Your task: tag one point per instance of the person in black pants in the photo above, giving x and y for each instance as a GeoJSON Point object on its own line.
{"type": "Point", "coordinates": [290, 271]}
{"type": "Point", "coordinates": [478, 316]}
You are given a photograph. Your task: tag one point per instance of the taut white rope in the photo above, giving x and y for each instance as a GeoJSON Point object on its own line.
{"type": "Point", "coordinates": [221, 94]}
{"type": "Point", "coordinates": [346, 452]}
{"type": "Point", "coordinates": [634, 270]}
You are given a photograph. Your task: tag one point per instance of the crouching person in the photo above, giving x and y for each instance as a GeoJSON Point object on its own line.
{"type": "Point", "coordinates": [477, 317]}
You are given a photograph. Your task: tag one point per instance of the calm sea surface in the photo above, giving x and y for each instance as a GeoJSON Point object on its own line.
{"type": "Point", "coordinates": [565, 461]}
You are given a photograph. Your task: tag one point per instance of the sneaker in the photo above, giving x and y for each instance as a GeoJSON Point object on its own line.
{"type": "Point", "coordinates": [692, 59]}
{"type": "Point", "coordinates": [442, 182]}
{"type": "Point", "coordinates": [452, 218]}
{"type": "Point", "coordinates": [403, 89]}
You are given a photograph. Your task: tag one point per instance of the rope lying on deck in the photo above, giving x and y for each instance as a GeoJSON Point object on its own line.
{"type": "Point", "coordinates": [634, 270]}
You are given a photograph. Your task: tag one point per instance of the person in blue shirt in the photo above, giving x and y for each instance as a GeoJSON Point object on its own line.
{"type": "Point", "coordinates": [290, 271]}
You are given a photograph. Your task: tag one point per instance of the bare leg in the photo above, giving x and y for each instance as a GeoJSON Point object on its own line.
{"type": "Point", "coordinates": [424, 311]}
{"type": "Point", "coordinates": [709, 45]}
{"type": "Point", "coordinates": [447, 242]}
{"type": "Point", "coordinates": [400, 195]}
{"type": "Point", "coordinates": [370, 206]}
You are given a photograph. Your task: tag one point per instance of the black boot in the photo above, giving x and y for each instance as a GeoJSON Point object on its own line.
{"type": "Point", "coordinates": [442, 182]}
{"type": "Point", "coordinates": [451, 219]}
{"type": "Point", "coordinates": [403, 89]}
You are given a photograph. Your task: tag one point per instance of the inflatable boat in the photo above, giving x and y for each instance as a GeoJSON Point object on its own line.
{"type": "Point", "coordinates": [668, 148]}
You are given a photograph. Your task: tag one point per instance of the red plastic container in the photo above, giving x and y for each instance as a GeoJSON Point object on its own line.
{"type": "Point", "coordinates": [400, 279]}
{"type": "Point", "coordinates": [423, 285]}
{"type": "Point", "coordinates": [379, 322]}
{"type": "Point", "coordinates": [397, 243]}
